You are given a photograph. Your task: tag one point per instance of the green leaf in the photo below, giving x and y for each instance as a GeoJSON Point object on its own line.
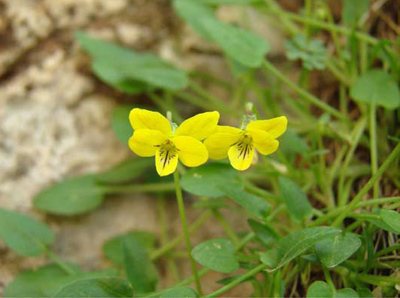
{"type": "Point", "coordinates": [312, 53]}
{"type": "Point", "coordinates": [376, 87]}
{"type": "Point", "coordinates": [346, 293]}
{"type": "Point", "coordinates": [47, 280]}
{"type": "Point", "coordinates": [295, 244]}
{"type": "Point", "coordinates": [295, 199]}
{"type": "Point", "coordinates": [264, 232]}
{"type": "Point", "coordinates": [319, 289]}
{"type": "Point", "coordinates": [114, 247]}
{"type": "Point", "coordinates": [71, 197]}
{"type": "Point", "coordinates": [253, 204]}
{"type": "Point", "coordinates": [353, 10]}
{"type": "Point", "coordinates": [119, 65]}
{"type": "Point", "coordinates": [364, 292]}
{"type": "Point", "coordinates": [206, 180]}
{"type": "Point", "coordinates": [192, 12]}
{"type": "Point", "coordinates": [110, 75]}
{"type": "Point", "coordinates": [241, 45]}
{"type": "Point", "coordinates": [140, 270]}
{"type": "Point", "coordinates": [125, 171]}
{"type": "Point", "coordinates": [120, 123]}
{"type": "Point", "coordinates": [391, 218]}
{"type": "Point", "coordinates": [216, 254]}
{"type": "Point", "coordinates": [220, 2]}
{"type": "Point", "coordinates": [186, 292]}
{"type": "Point", "coordinates": [292, 143]}
{"type": "Point", "coordinates": [23, 234]}
{"type": "Point", "coordinates": [334, 250]}
{"type": "Point", "coordinates": [97, 287]}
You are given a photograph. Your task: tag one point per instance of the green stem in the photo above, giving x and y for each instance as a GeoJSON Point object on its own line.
{"type": "Point", "coordinates": [378, 201]}
{"type": "Point", "coordinates": [323, 25]}
{"type": "Point", "coordinates": [367, 186]}
{"type": "Point", "coordinates": [373, 147]}
{"type": "Point", "coordinates": [237, 281]}
{"type": "Point", "coordinates": [150, 187]}
{"type": "Point", "coordinates": [186, 234]}
{"type": "Point", "coordinates": [303, 93]}
{"type": "Point", "coordinates": [356, 136]}
{"type": "Point", "coordinates": [378, 280]}
{"type": "Point", "coordinates": [387, 249]}
{"type": "Point", "coordinates": [328, 279]}
{"type": "Point", "coordinates": [364, 216]}
{"type": "Point", "coordinates": [226, 227]}
{"type": "Point", "coordinates": [176, 241]}
{"type": "Point", "coordinates": [64, 266]}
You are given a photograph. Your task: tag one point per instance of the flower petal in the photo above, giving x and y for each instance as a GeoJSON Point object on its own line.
{"type": "Point", "coordinates": [199, 126]}
{"type": "Point", "coordinates": [166, 161]}
{"type": "Point", "coordinates": [218, 144]}
{"type": "Point", "coordinates": [275, 126]}
{"type": "Point", "coordinates": [241, 156]}
{"type": "Point", "coordinates": [263, 141]}
{"type": "Point", "coordinates": [229, 129]}
{"type": "Point", "coordinates": [144, 119]}
{"type": "Point", "coordinates": [144, 142]}
{"type": "Point", "coordinates": [192, 152]}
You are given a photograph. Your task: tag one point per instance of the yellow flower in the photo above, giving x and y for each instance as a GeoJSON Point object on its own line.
{"type": "Point", "coordinates": [153, 136]}
{"type": "Point", "coordinates": [239, 144]}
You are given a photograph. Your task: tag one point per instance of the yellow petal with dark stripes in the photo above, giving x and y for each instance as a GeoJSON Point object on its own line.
{"type": "Point", "coordinates": [166, 161]}
{"type": "Point", "coordinates": [241, 155]}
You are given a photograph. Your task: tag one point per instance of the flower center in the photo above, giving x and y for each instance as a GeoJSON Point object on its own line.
{"type": "Point", "coordinates": [245, 146]}
{"type": "Point", "coordinates": [167, 152]}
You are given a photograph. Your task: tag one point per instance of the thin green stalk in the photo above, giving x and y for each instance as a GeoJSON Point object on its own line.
{"type": "Point", "coordinates": [225, 225]}
{"type": "Point", "coordinates": [237, 281]}
{"type": "Point", "coordinates": [328, 279]}
{"type": "Point", "coordinates": [308, 13]}
{"type": "Point", "coordinates": [164, 236]}
{"type": "Point", "coordinates": [367, 186]}
{"type": "Point", "coordinates": [378, 280]}
{"type": "Point", "coordinates": [387, 250]}
{"type": "Point", "coordinates": [176, 241]}
{"type": "Point", "coordinates": [323, 25]}
{"type": "Point", "coordinates": [64, 266]}
{"type": "Point", "coordinates": [186, 233]}
{"type": "Point", "coordinates": [364, 216]}
{"type": "Point", "coordinates": [303, 93]}
{"type": "Point", "coordinates": [373, 147]}
{"type": "Point", "coordinates": [150, 187]}
{"type": "Point", "coordinates": [378, 201]}
{"type": "Point", "coordinates": [356, 136]}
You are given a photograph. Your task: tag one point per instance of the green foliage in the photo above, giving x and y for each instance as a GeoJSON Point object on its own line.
{"type": "Point", "coordinates": [207, 180]}
{"type": "Point", "coordinates": [48, 280]}
{"type": "Point", "coordinates": [125, 171]}
{"type": "Point", "coordinates": [120, 123]}
{"type": "Point", "coordinates": [257, 206]}
{"type": "Point", "coordinates": [140, 270]}
{"type": "Point", "coordinates": [312, 53]}
{"type": "Point", "coordinates": [295, 244]}
{"type": "Point", "coordinates": [179, 292]}
{"type": "Point", "coordinates": [376, 87]}
{"type": "Point", "coordinates": [97, 287]}
{"type": "Point", "coordinates": [353, 10]}
{"type": "Point", "coordinates": [295, 199]}
{"type": "Point", "coordinates": [334, 250]}
{"type": "Point", "coordinates": [114, 247]}
{"type": "Point", "coordinates": [216, 254]}
{"type": "Point", "coordinates": [23, 234]}
{"type": "Point", "coordinates": [392, 219]}
{"type": "Point", "coordinates": [319, 289]}
{"type": "Point", "coordinates": [71, 197]}
{"type": "Point", "coordinates": [264, 232]}
{"type": "Point", "coordinates": [238, 44]}
{"type": "Point", "coordinates": [127, 70]}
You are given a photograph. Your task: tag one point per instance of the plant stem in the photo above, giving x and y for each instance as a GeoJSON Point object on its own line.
{"type": "Point", "coordinates": [237, 281]}
{"type": "Point", "coordinates": [373, 147]}
{"type": "Point", "coordinates": [52, 256]}
{"type": "Point", "coordinates": [226, 227]}
{"type": "Point", "coordinates": [367, 186]}
{"type": "Point", "coordinates": [186, 234]}
{"type": "Point", "coordinates": [150, 187]}
{"type": "Point", "coordinates": [303, 93]}
{"type": "Point", "coordinates": [176, 241]}
{"type": "Point", "coordinates": [387, 249]}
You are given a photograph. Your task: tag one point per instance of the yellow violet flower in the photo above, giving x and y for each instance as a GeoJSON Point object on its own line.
{"type": "Point", "coordinates": [239, 144]}
{"type": "Point", "coordinates": [154, 136]}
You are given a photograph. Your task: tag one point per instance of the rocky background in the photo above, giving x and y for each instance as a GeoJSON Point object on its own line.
{"type": "Point", "coordinates": [55, 115]}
